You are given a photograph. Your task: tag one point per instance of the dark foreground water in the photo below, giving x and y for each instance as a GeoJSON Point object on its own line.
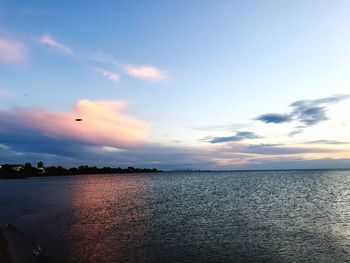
{"type": "Point", "coordinates": [269, 216]}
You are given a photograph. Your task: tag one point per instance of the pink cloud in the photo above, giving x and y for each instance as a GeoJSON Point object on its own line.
{"type": "Point", "coordinates": [12, 51]}
{"type": "Point", "coordinates": [103, 123]}
{"type": "Point", "coordinates": [52, 42]}
{"type": "Point", "coordinates": [147, 72]}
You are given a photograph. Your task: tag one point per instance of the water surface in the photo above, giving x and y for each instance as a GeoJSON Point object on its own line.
{"type": "Point", "coordinates": [256, 216]}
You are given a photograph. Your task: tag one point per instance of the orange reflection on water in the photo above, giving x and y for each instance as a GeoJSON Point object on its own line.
{"type": "Point", "coordinates": [109, 219]}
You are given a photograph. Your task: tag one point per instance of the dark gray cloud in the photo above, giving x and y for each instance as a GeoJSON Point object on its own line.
{"type": "Point", "coordinates": [312, 112]}
{"type": "Point", "coordinates": [307, 112]}
{"type": "Point", "coordinates": [240, 136]}
{"type": "Point", "coordinates": [26, 140]}
{"type": "Point", "coordinates": [274, 118]}
{"type": "Point", "coordinates": [310, 116]}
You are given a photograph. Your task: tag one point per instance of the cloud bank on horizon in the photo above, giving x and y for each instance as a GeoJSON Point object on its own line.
{"type": "Point", "coordinates": [118, 72]}
{"type": "Point", "coordinates": [106, 132]}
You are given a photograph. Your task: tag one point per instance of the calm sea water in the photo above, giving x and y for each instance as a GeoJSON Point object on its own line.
{"type": "Point", "coordinates": [269, 216]}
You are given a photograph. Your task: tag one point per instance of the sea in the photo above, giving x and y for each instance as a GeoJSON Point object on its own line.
{"type": "Point", "coordinates": [224, 216]}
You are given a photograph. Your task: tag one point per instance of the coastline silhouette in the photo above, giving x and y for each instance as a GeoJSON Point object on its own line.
{"type": "Point", "coordinates": [28, 170]}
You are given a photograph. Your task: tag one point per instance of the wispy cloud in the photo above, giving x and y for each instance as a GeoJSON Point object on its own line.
{"type": "Point", "coordinates": [296, 132]}
{"type": "Point", "coordinates": [224, 127]}
{"type": "Point", "coordinates": [52, 42]}
{"type": "Point", "coordinates": [12, 51]}
{"type": "Point", "coordinates": [146, 72]}
{"type": "Point", "coordinates": [115, 77]}
{"type": "Point", "coordinates": [329, 142]}
{"type": "Point", "coordinates": [240, 136]}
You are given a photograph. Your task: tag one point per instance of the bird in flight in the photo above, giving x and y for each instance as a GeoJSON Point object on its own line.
{"type": "Point", "coordinates": [78, 119]}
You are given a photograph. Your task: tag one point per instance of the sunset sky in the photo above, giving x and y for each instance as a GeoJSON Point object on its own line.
{"type": "Point", "coordinates": [176, 84]}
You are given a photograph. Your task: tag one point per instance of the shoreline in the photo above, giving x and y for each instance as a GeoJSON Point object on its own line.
{"type": "Point", "coordinates": [5, 256]}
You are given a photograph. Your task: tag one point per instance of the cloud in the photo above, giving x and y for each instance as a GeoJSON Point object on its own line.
{"type": "Point", "coordinates": [279, 163]}
{"type": "Point", "coordinates": [12, 51]}
{"type": "Point", "coordinates": [311, 116]}
{"type": "Point", "coordinates": [52, 42]}
{"type": "Point", "coordinates": [307, 112]}
{"type": "Point", "coordinates": [268, 156]}
{"type": "Point", "coordinates": [146, 72]}
{"type": "Point", "coordinates": [27, 144]}
{"type": "Point", "coordinates": [240, 136]}
{"type": "Point", "coordinates": [324, 101]}
{"type": "Point", "coordinates": [274, 118]}
{"type": "Point", "coordinates": [330, 142]}
{"type": "Point", "coordinates": [279, 150]}
{"type": "Point", "coordinates": [154, 155]}
{"type": "Point", "coordinates": [103, 124]}
{"type": "Point", "coordinates": [27, 140]}
{"type": "Point", "coordinates": [115, 77]}
{"type": "Point", "coordinates": [295, 132]}
{"type": "Point", "coordinates": [311, 112]}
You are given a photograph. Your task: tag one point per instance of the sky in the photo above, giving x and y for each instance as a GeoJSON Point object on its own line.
{"type": "Point", "coordinates": [176, 84]}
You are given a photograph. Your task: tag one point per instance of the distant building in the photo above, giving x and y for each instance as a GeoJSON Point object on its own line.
{"type": "Point", "coordinates": [15, 167]}
{"type": "Point", "coordinates": [41, 170]}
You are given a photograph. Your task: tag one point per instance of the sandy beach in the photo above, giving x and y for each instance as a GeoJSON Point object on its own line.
{"type": "Point", "coordinates": [4, 255]}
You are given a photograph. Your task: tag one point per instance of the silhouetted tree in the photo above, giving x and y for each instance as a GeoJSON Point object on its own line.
{"type": "Point", "coordinates": [40, 165]}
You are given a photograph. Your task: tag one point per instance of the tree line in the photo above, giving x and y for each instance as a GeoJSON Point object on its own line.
{"type": "Point", "coordinates": [28, 170]}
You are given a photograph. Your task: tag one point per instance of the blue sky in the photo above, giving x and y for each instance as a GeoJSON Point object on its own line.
{"type": "Point", "coordinates": [176, 84]}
